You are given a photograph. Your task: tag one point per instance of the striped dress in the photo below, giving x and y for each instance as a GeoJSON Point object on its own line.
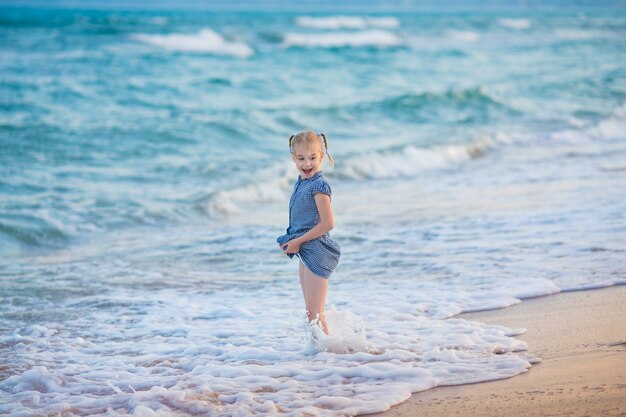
{"type": "Point", "coordinates": [320, 255]}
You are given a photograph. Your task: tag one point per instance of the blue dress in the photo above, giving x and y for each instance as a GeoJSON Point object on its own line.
{"type": "Point", "coordinates": [320, 255]}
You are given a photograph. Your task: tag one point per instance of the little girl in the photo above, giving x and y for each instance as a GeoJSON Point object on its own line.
{"type": "Point", "coordinates": [310, 220]}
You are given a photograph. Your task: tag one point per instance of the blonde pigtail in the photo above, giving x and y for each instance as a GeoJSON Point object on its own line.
{"type": "Point", "coordinates": [325, 140]}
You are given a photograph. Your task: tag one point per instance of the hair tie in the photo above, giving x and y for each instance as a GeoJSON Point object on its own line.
{"type": "Point", "coordinates": [290, 139]}
{"type": "Point", "coordinates": [323, 136]}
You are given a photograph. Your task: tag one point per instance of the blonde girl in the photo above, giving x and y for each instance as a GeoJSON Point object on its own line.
{"type": "Point", "coordinates": [310, 220]}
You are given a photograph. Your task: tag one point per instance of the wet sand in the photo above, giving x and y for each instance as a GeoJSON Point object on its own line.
{"type": "Point", "coordinates": [581, 338]}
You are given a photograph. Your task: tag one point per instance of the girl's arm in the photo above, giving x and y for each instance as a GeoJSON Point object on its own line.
{"type": "Point", "coordinates": [327, 222]}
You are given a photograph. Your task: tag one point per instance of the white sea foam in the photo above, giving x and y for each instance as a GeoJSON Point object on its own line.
{"type": "Point", "coordinates": [410, 160]}
{"type": "Point", "coordinates": [204, 41]}
{"type": "Point", "coordinates": [181, 352]}
{"type": "Point", "coordinates": [348, 22]}
{"type": "Point", "coordinates": [378, 38]}
{"type": "Point", "coordinates": [233, 201]}
{"type": "Point", "coordinates": [347, 334]}
{"type": "Point", "coordinates": [612, 127]}
{"type": "Point", "coordinates": [518, 24]}
{"type": "Point", "coordinates": [273, 185]}
{"type": "Point", "coordinates": [37, 379]}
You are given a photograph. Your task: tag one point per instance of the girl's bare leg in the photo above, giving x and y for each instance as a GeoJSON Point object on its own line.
{"type": "Point", "coordinates": [314, 289]}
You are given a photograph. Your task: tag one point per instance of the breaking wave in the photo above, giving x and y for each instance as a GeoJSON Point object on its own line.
{"type": "Point", "coordinates": [612, 127]}
{"type": "Point", "coordinates": [205, 40]}
{"type": "Point", "coordinates": [409, 161]}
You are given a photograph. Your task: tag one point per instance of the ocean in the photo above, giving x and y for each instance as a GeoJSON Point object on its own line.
{"type": "Point", "coordinates": [145, 175]}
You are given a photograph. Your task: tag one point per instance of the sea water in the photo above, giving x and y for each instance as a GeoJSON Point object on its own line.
{"type": "Point", "coordinates": [145, 174]}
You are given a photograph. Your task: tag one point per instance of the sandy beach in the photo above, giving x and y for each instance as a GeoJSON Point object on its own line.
{"type": "Point", "coordinates": [581, 338]}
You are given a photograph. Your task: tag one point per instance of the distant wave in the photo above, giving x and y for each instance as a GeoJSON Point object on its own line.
{"type": "Point", "coordinates": [463, 35]}
{"type": "Point", "coordinates": [378, 38]}
{"type": "Point", "coordinates": [518, 24]}
{"type": "Point", "coordinates": [347, 22]}
{"type": "Point", "coordinates": [582, 34]}
{"type": "Point", "coordinates": [204, 41]}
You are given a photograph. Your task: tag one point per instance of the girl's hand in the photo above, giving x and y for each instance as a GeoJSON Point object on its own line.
{"type": "Point", "coordinates": [293, 246]}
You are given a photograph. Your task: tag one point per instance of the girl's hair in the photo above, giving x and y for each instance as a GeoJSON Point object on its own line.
{"type": "Point", "coordinates": [310, 137]}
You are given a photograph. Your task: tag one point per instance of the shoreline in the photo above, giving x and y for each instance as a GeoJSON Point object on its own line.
{"type": "Point", "coordinates": [580, 337]}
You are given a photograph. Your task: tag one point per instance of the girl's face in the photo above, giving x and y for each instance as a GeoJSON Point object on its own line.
{"type": "Point", "coordinates": [308, 159]}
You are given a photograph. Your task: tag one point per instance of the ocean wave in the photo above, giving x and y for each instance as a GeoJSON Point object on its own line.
{"type": "Point", "coordinates": [377, 38]}
{"type": "Point", "coordinates": [55, 227]}
{"type": "Point", "coordinates": [612, 127]}
{"type": "Point", "coordinates": [233, 201]}
{"type": "Point", "coordinates": [584, 34]}
{"type": "Point", "coordinates": [39, 229]}
{"type": "Point", "coordinates": [261, 191]}
{"type": "Point", "coordinates": [453, 105]}
{"type": "Point", "coordinates": [473, 95]}
{"type": "Point", "coordinates": [347, 22]}
{"type": "Point", "coordinates": [518, 24]}
{"type": "Point", "coordinates": [205, 40]}
{"type": "Point", "coordinates": [464, 105]}
{"type": "Point", "coordinates": [410, 161]}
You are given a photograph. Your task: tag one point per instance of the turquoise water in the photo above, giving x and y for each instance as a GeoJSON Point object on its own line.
{"type": "Point", "coordinates": [144, 176]}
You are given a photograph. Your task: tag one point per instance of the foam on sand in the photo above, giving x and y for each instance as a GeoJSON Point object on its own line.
{"type": "Point", "coordinates": [582, 363]}
{"type": "Point", "coordinates": [205, 40]}
{"type": "Point", "coordinates": [255, 361]}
